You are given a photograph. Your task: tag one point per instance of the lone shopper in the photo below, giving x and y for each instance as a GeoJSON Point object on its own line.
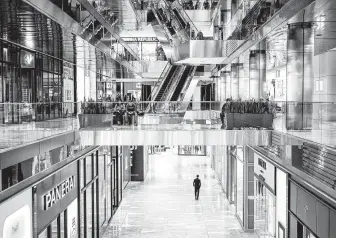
{"type": "Point", "coordinates": [197, 185]}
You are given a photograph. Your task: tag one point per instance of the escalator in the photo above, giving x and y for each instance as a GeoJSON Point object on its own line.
{"type": "Point", "coordinates": [166, 82]}
{"type": "Point", "coordinates": [180, 19]}
{"type": "Point", "coordinates": [179, 88]}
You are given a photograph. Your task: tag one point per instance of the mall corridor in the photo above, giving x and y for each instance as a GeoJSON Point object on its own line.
{"type": "Point", "coordinates": [164, 205]}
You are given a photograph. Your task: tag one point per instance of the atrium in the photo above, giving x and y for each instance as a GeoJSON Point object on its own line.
{"type": "Point", "coordinates": [167, 118]}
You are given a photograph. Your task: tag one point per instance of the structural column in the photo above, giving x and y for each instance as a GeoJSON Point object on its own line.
{"type": "Point", "coordinates": [300, 81]}
{"type": "Point", "coordinates": [235, 79]}
{"type": "Point", "coordinates": [257, 72]}
{"type": "Point", "coordinates": [225, 85]}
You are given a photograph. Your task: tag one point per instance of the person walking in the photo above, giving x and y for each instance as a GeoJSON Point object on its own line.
{"type": "Point", "coordinates": [197, 185]}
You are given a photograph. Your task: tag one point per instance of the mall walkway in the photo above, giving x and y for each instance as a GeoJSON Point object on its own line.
{"type": "Point", "coordinates": [164, 205]}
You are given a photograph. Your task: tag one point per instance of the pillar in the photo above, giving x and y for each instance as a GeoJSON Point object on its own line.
{"type": "Point", "coordinates": [225, 85]}
{"type": "Point", "coordinates": [244, 76]}
{"type": "Point", "coordinates": [257, 72]}
{"type": "Point", "coordinates": [248, 196]}
{"type": "Point", "coordinates": [235, 79]}
{"type": "Point", "coordinates": [300, 80]}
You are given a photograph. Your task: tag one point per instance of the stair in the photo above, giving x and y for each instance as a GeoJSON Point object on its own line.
{"type": "Point", "coordinates": [165, 83]}
{"type": "Point", "coordinates": [181, 83]}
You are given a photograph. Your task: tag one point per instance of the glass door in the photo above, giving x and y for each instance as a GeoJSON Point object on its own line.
{"type": "Point", "coordinates": [270, 218]}
{"type": "Point", "coordinates": [264, 210]}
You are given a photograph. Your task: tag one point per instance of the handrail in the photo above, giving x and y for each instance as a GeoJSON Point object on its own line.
{"type": "Point", "coordinates": [159, 82]}
{"type": "Point", "coordinates": [186, 85]}
{"type": "Point", "coordinates": [93, 11]}
{"type": "Point", "coordinates": [174, 76]}
{"type": "Point", "coordinates": [189, 20]}
{"type": "Point", "coordinates": [185, 16]}
{"type": "Point", "coordinates": [175, 83]}
{"type": "Point", "coordinates": [161, 23]}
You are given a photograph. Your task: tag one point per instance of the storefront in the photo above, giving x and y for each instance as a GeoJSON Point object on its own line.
{"type": "Point", "coordinates": [236, 180]}
{"type": "Point", "coordinates": [309, 215]}
{"type": "Point", "coordinates": [55, 203]}
{"type": "Point", "coordinates": [31, 77]}
{"type": "Point", "coordinates": [16, 216]}
{"type": "Point", "coordinates": [99, 190]}
{"type": "Point", "coordinates": [264, 194]}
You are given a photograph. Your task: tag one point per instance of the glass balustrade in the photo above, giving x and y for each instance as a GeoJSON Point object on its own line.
{"type": "Point", "coordinates": [25, 122]}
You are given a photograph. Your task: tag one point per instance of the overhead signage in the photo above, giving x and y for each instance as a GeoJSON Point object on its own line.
{"type": "Point", "coordinates": [140, 39]}
{"type": "Point", "coordinates": [27, 59]}
{"type": "Point", "coordinates": [54, 194]}
{"type": "Point", "coordinates": [58, 192]}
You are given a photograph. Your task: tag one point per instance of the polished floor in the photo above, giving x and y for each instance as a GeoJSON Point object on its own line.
{"type": "Point", "coordinates": [164, 205]}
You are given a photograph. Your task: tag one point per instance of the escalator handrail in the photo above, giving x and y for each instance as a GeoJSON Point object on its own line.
{"type": "Point", "coordinates": [188, 82]}
{"type": "Point", "coordinates": [154, 10]}
{"type": "Point", "coordinates": [175, 76]}
{"type": "Point", "coordinates": [160, 81]}
{"type": "Point", "coordinates": [187, 71]}
{"type": "Point", "coordinates": [175, 83]}
{"type": "Point", "coordinates": [185, 16]}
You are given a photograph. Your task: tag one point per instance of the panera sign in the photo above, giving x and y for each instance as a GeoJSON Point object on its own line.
{"type": "Point", "coordinates": [54, 194]}
{"type": "Point", "coordinates": [58, 192]}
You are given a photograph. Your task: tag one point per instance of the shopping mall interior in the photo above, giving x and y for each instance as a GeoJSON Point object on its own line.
{"type": "Point", "coordinates": [167, 118]}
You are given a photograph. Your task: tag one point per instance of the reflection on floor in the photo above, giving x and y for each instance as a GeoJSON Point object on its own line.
{"type": "Point", "coordinates": [164, 205]}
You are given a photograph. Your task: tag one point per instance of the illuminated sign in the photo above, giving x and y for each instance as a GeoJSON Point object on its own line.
{"type": "Point", "coordinates": [58, 192]}
{"type": "Point", "coordinates": [27, 59]}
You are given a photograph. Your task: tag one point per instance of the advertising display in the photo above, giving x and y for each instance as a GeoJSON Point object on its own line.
{"type": "Point", "coordinates": [16, 216]}
{"type": "Point", "coordinates": [54, 194]}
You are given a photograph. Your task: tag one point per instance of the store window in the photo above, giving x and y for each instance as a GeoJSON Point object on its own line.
{"type": "Point", "coordinates": [238, 154]}
{"type": "Point", "coordinates": [57, 228]}
{"type": "Point", "coordinates": [89, 198]}
{"type": "Point", "coordinates": [17, 173]}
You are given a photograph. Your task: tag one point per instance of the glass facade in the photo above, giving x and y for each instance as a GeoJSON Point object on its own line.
{"type": "Point", "coordinates": [99, 190]}
{"type": "Point", "coordinates": [32, 79]}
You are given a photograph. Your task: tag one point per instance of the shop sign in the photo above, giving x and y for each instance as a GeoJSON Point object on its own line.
{"type": "Point", "coordinates": [16, 216]}
{"type": "Point", "coordinates": [58, 192]}
{"type": "Point", "coordinates": [264, 171]}
{"type": "Point", "coordinates": [54, 194]}
{"type": "Point", "coordinates": [140, 39]}
{"type": "Point", "coordinates": [27, 59]}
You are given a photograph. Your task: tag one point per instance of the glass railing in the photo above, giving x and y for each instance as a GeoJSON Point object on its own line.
{"type": "Point", "coordinates": [313, 121]}
{"type": "Point", "coordinates": [22, 123]}
{"type": "Point", "coordinates": [26, 122]}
